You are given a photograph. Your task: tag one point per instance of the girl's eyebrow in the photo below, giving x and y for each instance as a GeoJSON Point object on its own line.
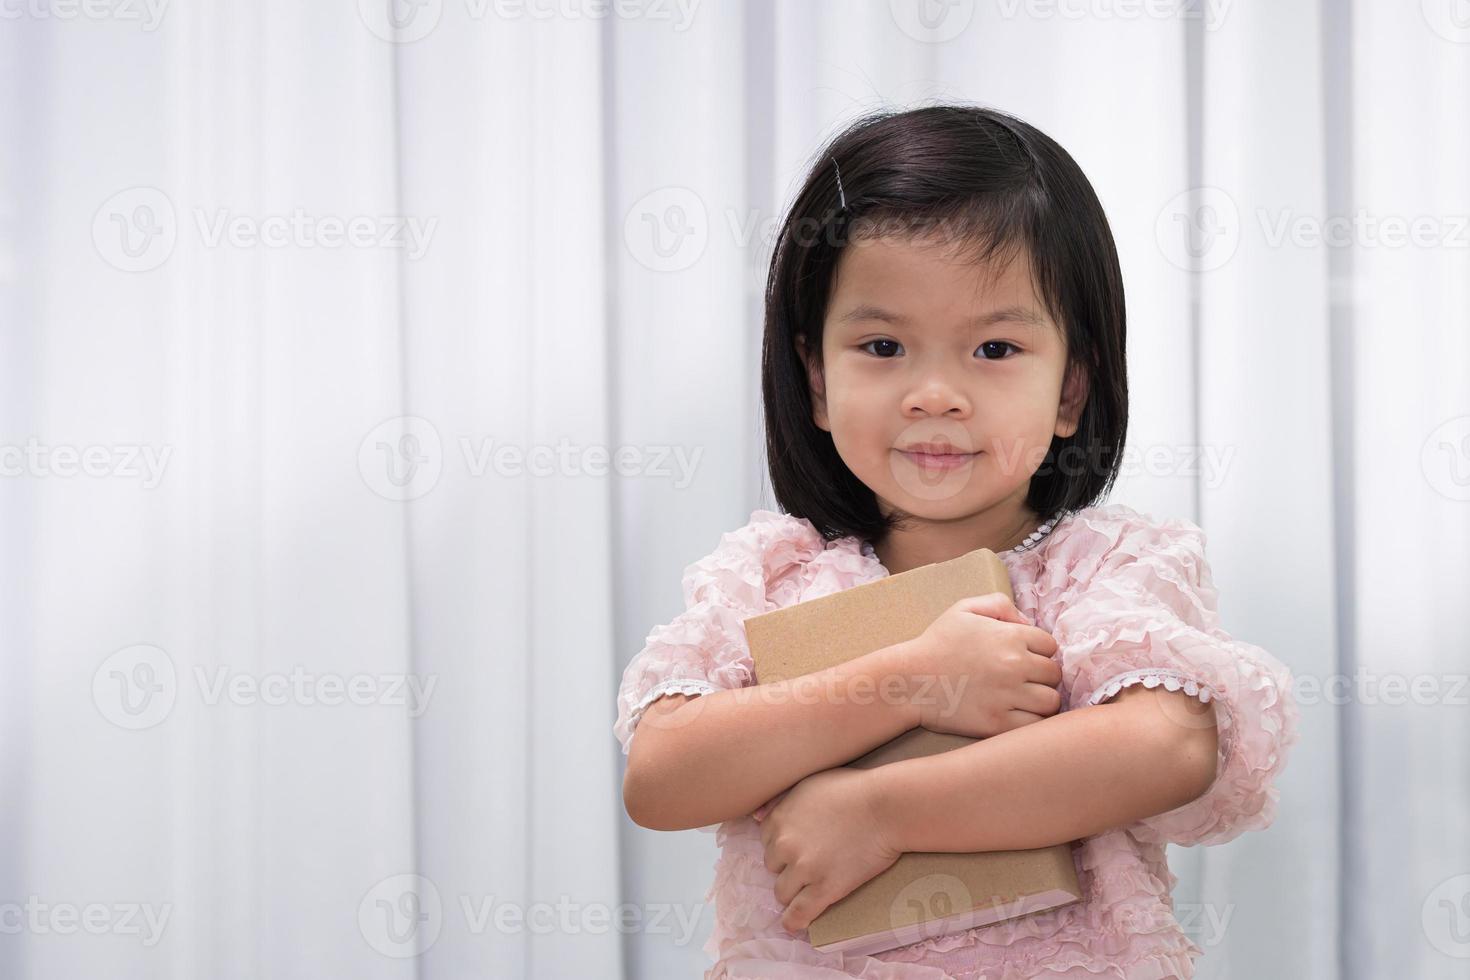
{"type": "Point", "coordinates": [1011, 314]}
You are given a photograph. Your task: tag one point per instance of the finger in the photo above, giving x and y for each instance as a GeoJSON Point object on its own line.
{"type": "Point", "coordinates": [764, 810]}
{"type": "Point", "coordinates": [775, 863]}
{"type": "Point", "coordinates": [1040, 641]}
{"type": "Point", "coordinates": [802, 909]}
{"type": "Point", "coordinates": [996, 605]}
{"type": "Point", "coordinates": [1016, 718]}
{"type": "Point", "coordinates": [788, 885]}
{"type": "Point", "coordinates": [768, 833]}
{"type": "Point", "coordinates": [1039, 699]}
{"type": "Point", "coordinates": [1041, 669]}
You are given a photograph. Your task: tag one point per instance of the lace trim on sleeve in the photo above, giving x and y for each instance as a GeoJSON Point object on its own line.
{"type": "Point", "coordinates": [672, 686]}
{"type": "Point", "coordinates": [1150, 677]}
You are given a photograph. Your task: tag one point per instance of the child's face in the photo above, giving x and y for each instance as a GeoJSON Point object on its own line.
{"type": "Point", "coordinates": [991, 392]}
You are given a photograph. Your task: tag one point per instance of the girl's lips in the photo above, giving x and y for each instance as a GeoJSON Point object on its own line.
{"type": "Point", "coordinates": [939, 461]}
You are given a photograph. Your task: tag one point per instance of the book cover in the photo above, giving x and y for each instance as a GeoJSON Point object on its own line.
{"type": "Point", "coordinates": [923, 894]}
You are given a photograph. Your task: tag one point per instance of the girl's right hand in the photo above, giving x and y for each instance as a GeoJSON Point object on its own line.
{"type": "Point", "coordinates": [980, 669]}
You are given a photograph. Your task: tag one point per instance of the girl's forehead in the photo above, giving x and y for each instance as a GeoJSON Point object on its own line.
{"type": "Point", "coordinates": [894, 281]}
{"type": "Point", "coordinates": [893, 260]}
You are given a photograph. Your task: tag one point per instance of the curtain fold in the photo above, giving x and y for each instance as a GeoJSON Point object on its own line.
{"type": "Point", "coordinates": [1408, 757]}
{"type": "Point", "coordinates": [1264, 371]}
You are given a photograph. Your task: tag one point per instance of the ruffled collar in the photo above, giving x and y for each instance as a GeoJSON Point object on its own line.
{"type": "Point", "coordinates": [863, 548]}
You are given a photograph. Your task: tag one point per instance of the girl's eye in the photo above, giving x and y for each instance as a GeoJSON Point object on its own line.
{"type": "Point", "coordinates": [891, 343]}
{"type": "Point", "coordinates": [992, 344]}
{"type": "Point", "coordinates": [995, 347]}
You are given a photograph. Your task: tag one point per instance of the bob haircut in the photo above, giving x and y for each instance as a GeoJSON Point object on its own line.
{"type": "Point", "coordinates": [994, 184]}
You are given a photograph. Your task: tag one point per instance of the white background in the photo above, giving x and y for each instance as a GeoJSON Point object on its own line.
{"type": "Point", "coordinates": [291, 528]}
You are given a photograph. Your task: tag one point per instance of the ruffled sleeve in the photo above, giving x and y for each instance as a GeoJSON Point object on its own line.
{"type": "Point", "coordinates": [1139, 606]}
{"type": "Point", "coordinates": [704, 649]}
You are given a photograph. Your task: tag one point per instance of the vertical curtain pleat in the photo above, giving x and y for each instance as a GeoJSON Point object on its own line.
{"type": "Point", "coordinates": [1265, 410]}
{"type": "Point", "coordinates": [1408, 838]}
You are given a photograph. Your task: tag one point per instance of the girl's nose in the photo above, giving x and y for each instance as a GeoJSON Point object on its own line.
{"type": "Point", "coordinates": [936, 396]}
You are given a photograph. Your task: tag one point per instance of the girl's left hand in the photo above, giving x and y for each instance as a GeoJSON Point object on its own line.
{"type": "Point", "coordinates": [822, 839]}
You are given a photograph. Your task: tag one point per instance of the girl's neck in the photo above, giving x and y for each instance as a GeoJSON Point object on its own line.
{"type": "Point", "coordinates": [928, 542]}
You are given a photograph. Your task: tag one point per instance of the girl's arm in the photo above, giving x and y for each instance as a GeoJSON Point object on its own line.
{"type": "Point", "coordinates": [1066, 777]}
{"type": "Point", "coordinates": [702, 760]}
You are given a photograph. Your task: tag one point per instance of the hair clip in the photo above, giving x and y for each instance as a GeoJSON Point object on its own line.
{"type": "Point", "coordinates": [842, 195]}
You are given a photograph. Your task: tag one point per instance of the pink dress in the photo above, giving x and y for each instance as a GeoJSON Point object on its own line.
{"type": "Point", "coordinates": [1129, 600]}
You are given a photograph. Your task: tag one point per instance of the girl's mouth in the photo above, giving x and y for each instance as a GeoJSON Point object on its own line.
{"type": "Point", "coordinates": [939, 461]}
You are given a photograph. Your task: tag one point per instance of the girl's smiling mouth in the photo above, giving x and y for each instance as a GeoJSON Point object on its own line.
{"type": "Point", "coordinates": [937, 456]}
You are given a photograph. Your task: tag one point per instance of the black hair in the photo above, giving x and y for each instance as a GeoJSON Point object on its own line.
{"type": "Point", "coordinates": [997, 184]}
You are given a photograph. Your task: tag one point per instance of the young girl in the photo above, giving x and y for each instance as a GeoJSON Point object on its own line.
{"type": "Point", "coordinates": [944, 370]}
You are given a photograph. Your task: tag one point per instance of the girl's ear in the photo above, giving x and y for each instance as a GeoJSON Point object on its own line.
{"type": "Point", "coordinates": [816, 383]}
{"type": "Point", "coordinates": [1074, 399]}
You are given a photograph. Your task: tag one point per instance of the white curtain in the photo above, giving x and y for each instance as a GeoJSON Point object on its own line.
{"type": "Point", "coordinates": [370, 371]}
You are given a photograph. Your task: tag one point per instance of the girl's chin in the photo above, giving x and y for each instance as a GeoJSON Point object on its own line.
{"type": "Point", "coordinates": [964, 502]}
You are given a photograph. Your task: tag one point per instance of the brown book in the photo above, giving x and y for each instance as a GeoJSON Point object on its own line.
{"type": "Point", "coordinates": [923, 894]}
